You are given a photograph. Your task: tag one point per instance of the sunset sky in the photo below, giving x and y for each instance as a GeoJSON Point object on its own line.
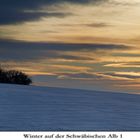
{"type": "Point", "coordinates": [85, 44]}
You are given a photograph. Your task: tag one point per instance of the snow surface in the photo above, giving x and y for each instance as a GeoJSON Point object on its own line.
{"type": "Point", "coordinates": [25, 108]}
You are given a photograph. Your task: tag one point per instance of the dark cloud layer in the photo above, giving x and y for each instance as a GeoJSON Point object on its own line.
{"type": "Point", "coordinates": [92, 25]}
{"type": "Point", "coordinates": [17, 51]}
{"type": "Point", "coordinates": [13, 11]}
{"type": "Point", "coordinates": [14, 17]}
{"type": "Point", "coordinates": [123, 75]}
{"type": "Point", "coordinates": [127, 54]}
{"type": "Point", "coordinates": [97, 25]}
{"type": "Point", "coordinates": [86, 76]}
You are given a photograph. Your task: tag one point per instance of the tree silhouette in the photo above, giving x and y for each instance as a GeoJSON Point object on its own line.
{"type": "Point", "coordinates": [14, 77]}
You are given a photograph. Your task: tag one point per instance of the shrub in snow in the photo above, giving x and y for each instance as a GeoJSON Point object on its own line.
{"type": "Point", "coordinates": [14, 77]}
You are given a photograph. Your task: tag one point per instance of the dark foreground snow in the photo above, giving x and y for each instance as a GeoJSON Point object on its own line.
{"type": "Point", "coordinates": [41, 108]}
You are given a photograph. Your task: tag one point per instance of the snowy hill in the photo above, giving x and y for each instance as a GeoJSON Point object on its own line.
{"type": "Point", "coordinates": [44, 108]}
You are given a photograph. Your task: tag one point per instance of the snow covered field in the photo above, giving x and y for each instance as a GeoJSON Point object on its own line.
{"type": "Point", "coordinates": [42, 108]}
